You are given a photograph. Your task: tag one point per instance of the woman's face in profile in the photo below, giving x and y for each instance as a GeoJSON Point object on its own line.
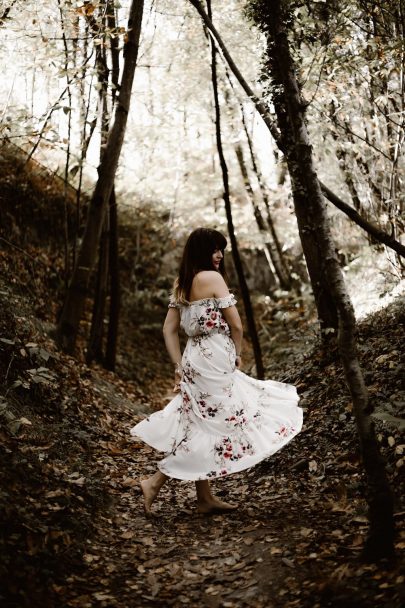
{"type": "Point", "coordinates": [216, 258]}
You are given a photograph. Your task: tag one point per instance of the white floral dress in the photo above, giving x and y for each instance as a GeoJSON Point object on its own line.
{"type": "Point", "coordinates": [222, 421]}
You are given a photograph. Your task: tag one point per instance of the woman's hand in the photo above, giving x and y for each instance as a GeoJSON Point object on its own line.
{"type": "Point", "coordinates": [178, 374]}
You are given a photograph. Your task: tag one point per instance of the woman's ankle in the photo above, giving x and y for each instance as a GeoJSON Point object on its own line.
{"type": "Point", "coordinates": [203, 491]}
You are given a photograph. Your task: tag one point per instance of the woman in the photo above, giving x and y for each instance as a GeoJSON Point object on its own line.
{"type": "Point", "coordinates": [221, 421]}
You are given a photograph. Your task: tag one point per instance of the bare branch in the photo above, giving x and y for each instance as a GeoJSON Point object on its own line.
{"type": "Point", "coordinates": [264, 113]}
{"type": "Point", "coordinates": [6, 12]}
{"type": "Point", "coordinates": [372, 229]}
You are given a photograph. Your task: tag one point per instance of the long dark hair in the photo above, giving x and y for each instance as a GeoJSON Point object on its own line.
{"type": "Point", "coordinates": [197, 255]}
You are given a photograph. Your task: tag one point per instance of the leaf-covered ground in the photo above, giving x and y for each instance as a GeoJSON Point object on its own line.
{"type": "Point", "coordinates": [73, 532]}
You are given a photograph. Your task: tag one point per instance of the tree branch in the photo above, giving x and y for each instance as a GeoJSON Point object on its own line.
{"type": "Point", "coordinates": [6, 12]}
{"type": "Point", "coordinates": [264, 113]}
{"type": "Point", "coordinates": [372, 229]}
{"type": "Point", "coordinates": [261, 107]}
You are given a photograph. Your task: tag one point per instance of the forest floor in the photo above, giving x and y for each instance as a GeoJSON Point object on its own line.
{"type": "Point", "coordinates": [72, 528]}
{"type": "Point", "coordinates": [73, 531]}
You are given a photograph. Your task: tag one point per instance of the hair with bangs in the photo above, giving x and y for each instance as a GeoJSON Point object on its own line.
{"type": "Point", "coordinates": [197, 256]}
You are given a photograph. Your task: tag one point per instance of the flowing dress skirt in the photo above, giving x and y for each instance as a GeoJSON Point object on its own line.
{"type": "Point", "coordinates": [222, 421]}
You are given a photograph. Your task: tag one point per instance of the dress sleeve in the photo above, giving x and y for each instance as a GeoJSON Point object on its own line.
{"type": "Point", "coordinates": [226, 301]}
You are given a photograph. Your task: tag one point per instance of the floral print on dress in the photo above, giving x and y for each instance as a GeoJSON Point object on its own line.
{"type": "Point", "coordinates": [238, 419]}
{"type": "Point", "coordinates": [202, 345]}
{"type": "Point", "coordinates": [189, 373]}
{"type": "Point", "coordinates": [203, 317]}
{"type": "Point", "coordinates": [232, 448]}
{"type": "Point", "coordinates": [207, 408]}
{"type": "Point", "coordinates": [222, 421]}
{"type": "Point", "coordinates": [210, 319]}
{"type": "Point", "coordinates": [285, 431]}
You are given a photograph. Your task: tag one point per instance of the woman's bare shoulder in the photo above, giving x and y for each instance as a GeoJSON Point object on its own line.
{"type": "Point", "coordinates": [207, 284]}
{"type": "Point", "coordinates": [207, 277]}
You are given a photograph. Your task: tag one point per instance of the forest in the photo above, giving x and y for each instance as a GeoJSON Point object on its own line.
{"type": "Point", "coordinates": [126, 125]}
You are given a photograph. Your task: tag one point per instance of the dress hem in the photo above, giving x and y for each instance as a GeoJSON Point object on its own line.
{"type": "Point", "coordinates": [242, 466]}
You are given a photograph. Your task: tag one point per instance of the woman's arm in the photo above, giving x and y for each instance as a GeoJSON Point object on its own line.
{"type": "Point", "coordinates": [233, 319]}
{"type": "Point", "coordinates": [171, 328]}
{"type": "Point", "coordinates": [230, 314]}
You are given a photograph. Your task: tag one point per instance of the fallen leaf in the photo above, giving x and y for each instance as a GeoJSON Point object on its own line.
{"type": "Point", "coordinates": [128, 534]}
{"type": "Point", "coordinates": [24, 421]}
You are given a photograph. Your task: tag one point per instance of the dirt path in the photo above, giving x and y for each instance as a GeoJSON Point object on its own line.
{"type": "Point", "coordinates": [279, 549]}
{"type": "Point", "coordinates": [183, 558]}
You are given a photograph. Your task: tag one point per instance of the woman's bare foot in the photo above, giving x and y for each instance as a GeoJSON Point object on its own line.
{"type": "Point", "coordinates": [149, 496]}
{"type": "Point", "coordinates": [207, 503]}
{"type": "Point", "coordinates": [150, 489]}
{"type": "Point", "coordinates": [214, 505]}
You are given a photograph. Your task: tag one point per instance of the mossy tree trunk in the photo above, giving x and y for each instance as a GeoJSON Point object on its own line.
{"type": "Point", "coordinates": [311, 207]}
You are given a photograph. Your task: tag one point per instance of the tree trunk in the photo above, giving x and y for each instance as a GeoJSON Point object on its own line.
{"type": "Point", "coordinates": [115, 291]}
{"type": "Point", "coordinates": [235, 250]}
{"type": "Point", "coordinates": [283, 270]}
{"type": "Point", "coordinates": [379, 543]}
{"type": "Point", "coordinates": [67, 162]}
{"type": "Point", "coordinates": [78, 289]}
{"type": "Point", "coordinates": [308, 219]}
{"type": "Point", "coordinates": [95, 342]}
{"type": "Point", "coordinates": [112, 336]}
{"type": "Point", "coordinates": [261, 224]}
{"type": "Point", "coordinates": [264, 113]}
{"type": "Point", "coordinates": [114, 49]}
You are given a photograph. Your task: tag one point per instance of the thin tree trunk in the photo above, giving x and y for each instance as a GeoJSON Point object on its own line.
{"type": "Point", "coordinates": [114, 49]}
{"type": "Point", "coordinates": [264, 113]}
{"type": "Point", "coordinates": [283, 266]}
{"type": "Point", "coordinates": [84, 113]}
{"type": "Point", "coordinates": [69, 321]}
{"type": "Point", "coordinates": [108, 255]}
{"type": "Point", "coordinates": [115, 292]}
{"type": "Point", "coordinates": [261, 224]}
{"type": "Point", "coordinates": [273, 251]}
{"type": "Point", "coordinates": [112, 336]}
{"type": "Point", "coordinates": [235, 250]}
{"type": "Point", "coordinates": [67, 162]}
{"type": "Point", "coordinates": [379, 543]}
{"type": "Point", "coordinates": [95, 342]}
